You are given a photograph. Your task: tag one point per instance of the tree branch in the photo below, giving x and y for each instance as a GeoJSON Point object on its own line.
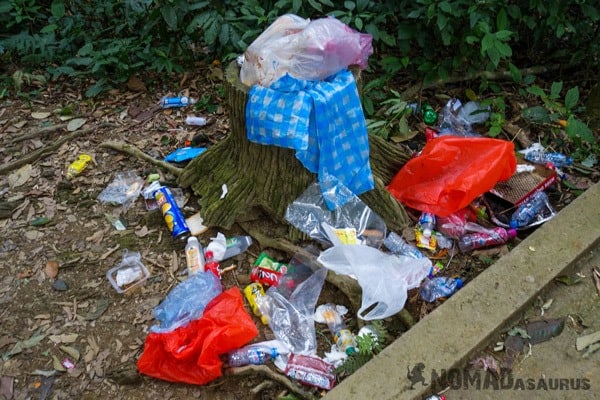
{"type": "Point", "coordinates": [134, 151]}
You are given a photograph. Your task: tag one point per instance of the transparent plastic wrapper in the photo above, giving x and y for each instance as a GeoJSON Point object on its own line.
{"type": "Point", "coordinates": [352, 223]}
{"type": "Point", "coordinates": [311, 50]}
{"type": "Point", "coordinates": [384, 278]}
{"type": "Point", "coordinates": [130, 272]}
{"type": "Point", "coordinates": [124, 189]}
{"type": "Point", "coordinates": [457, 118]}
{"type": "Point", "coordinates": [291, 313]}
{"type": "Point", "coordinates": [186, 301]}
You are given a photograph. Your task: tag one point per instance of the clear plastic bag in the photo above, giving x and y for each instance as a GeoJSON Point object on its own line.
{"type": "Point", "coordinates": [291, 314]}
{"type": "Point", "coordinates": [384, 278]}
{"type": "Point", "coordinates": [124, 189]}
{"type": "Point", "coordinates": [186, 302]}
{"type": "Point", "coordinates": [352, 223]}
{"type": "Point", "coordinates": [311, 50]}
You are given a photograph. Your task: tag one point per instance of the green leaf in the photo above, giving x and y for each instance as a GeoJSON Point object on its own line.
{"type": "Point", "coordinates": [502, 20]}
{"type": "Point", "coordinates": [58, 9]}
{"type": "Point", "coordinates": [504, 49]}
{"type": "Point", "coordinates": [358, 23]}
{"type": "Point", "coordinates": [96, 88]}
{"type": "Point", "coordinates": [515, 73]}
{"type": "Point", "coordinates": [536, 90]}
{"type": "Point", "coordinates": [170, 16]}
{"type": "Point", "coordinates": [572, 97]}
{"type": "Point", "coordinates": [487, 43]}
{"type": "Point", "coordinates": [555, 90]}
{"type": "Point", "coordinates": [349, 5]}
{"type": "Point", "coordinates": [576, 128]}
{"type": "Point", "coordinates": [537, 114]}
{"type": "Point", "coordinates": [503, 35]}
{"type": "Point", "coordinates": [49, 28]}
{"type": "Point", "coordinates": [445, 7]}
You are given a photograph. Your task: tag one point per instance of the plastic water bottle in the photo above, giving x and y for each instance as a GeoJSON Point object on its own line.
{"type": "Point", "coordinates": [543, 157]}
{"type": "Point", "coordinates": [181, 101]}
{"type": "Point", "coordinates": [197, 121]}
{"type": "Point", "coordinates": [427, 223]}
{"type": "Point", "coordinates": [485, 238]}
{"type": "Point", "coordinates": [236, 245]}
{"type": "Point", "coordinates": [473, 113]}
{"type": "Point", "coordinates": [343, 338]}
{"type": "Point", "coordinates": [526, 213]}
{"type": "Point", "coordinates": [255, 354]}
{"type": "Point", "coordinates": [397, 245]}
{"type": "Point", "coordinates": [440, 286]}
{"type": "Point", "coordinates": [194, 255]}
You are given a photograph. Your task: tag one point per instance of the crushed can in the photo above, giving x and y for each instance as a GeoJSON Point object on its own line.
{"type": "Point", "coordinates": [171, 213]}
{"type": "Point", "coordinates": [255, 294]}
{"type": "Point", "coordinates": [265, 276]}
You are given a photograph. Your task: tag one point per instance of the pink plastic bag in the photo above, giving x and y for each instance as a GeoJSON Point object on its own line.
{"type": "Point", "coordinates": [451, 172]}
{"type": "Point", "coordinates": [309, 50]}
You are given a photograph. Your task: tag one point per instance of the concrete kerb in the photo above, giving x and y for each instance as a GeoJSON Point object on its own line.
{"type": "Point", "coordinates": [450, 334]}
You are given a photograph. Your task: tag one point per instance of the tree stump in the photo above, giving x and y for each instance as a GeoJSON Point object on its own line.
{"type": "Point", "coordinates": [268, 178]}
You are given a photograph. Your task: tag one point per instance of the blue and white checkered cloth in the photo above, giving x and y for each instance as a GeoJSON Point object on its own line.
{"type": "Point", "coordinates": [324, 122]}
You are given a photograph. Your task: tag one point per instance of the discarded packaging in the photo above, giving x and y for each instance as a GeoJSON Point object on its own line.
{"type": "Point", "coordinates": [129, 274]}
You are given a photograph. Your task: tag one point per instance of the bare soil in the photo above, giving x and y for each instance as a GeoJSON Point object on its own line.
{"type": "Point", "coordinates": [52, 221]}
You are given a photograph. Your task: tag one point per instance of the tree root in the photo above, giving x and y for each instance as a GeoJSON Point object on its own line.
{"type": "Point", "coordinates": [41, 131]}
{"type": "Point", "coordinates": [44, 151]}
{"type": "Point", "coordinates": [134, 151]}
{"type": "Point", "coordinates": [270, 374]}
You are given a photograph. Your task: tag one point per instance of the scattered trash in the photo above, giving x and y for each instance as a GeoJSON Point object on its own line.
{"type": "Point", "coordinates": [427, 223]}
{"type": "Point", "coordinates": [195, 223]}
{"type": "Point", "coordinates": [536, 153]}
{"type": "Point", "coordinates": [258, 301]}
{"type": "Point", "coordinates": [184, 154]}
{"type": "Point", "coordinates": [384, 278]}
{"type": "Point", "coordinates": [451, 172]}
{"type": "Point", "coordinates": [532, 209]}
{"type": "Point", "coordinates": [310, 370]}
{"type": "Point", "coordinates": [331, 315]}
{"type": "Point", "coordinates": [310, 215]}
{"type": "Point", "coordinates": [196, 121]}
{"type": "Point", "coordinates": [181, 101]}
{"type": "Point", "coordinates": [427, 112]}
{"type": "Point", "coordinates": [305, 49]}
{"type": "Point", "coordinates": [194, 256]}
{"type": "Point", "coordinates": [192, 352]}
{"type": "Point", "coordinates": [124, 189]}
{"type": "Point", "coordinates": [397, 245]}
{"type": "Point", "coordinates": [484, 237]}
{"type": "Point", "coordinates": [457, 119]}
{"type": "Point", "coordinates": [438, 287]}
{"type": "Point", "coordinates": [77, 166]}
{"type": "Point", "coordinates": [186, 301]}
{"type": "Point", "coordinates": [256, 353]}
{"type": "Point", "coordinates": [171, 213]}
{"type": "Point", "coordinates": [486, 363]}
{"type": "Point", "coordinates": [129, 273]}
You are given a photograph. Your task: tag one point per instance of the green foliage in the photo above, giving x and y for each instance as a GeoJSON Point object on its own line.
{"type": "Point", "coordinates": [367, 346]}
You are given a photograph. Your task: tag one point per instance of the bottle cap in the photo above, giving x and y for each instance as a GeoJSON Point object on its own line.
{"type": "Point", "coordinates": [513, 225]}
{"type": "Point", "coordinates": [512, 232]}
{"type": "Point", "coordinates": [459, 283]}
{"type": "Point", "coordinates": [192, 239]}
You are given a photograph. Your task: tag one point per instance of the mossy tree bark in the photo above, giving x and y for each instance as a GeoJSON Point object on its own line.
{"type": "Point", "coordinates": [269, 178]}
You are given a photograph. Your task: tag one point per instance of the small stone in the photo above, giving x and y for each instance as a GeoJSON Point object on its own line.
{"type": "Point", "coordinates": [59, 285]}
{"type": "Point", "coordinates": [529, 279]}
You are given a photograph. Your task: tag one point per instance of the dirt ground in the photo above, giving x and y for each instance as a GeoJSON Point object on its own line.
{"type": "Point", "coordinates": [51, 222]}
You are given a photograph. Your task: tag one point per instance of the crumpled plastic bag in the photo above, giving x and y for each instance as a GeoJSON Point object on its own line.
{"type": "Point", "coordinates": [451, 172]}
{"type": "Point", "coordinates": [124, 189]}
{"type": "Point", "coordinates": [191, 353]}
{"type": "Point", "coordinates": [385, 279]}
{"type": "Point", "coordinates": [311, 50]}
{"type": "Point", "coordinates": [186, 301]}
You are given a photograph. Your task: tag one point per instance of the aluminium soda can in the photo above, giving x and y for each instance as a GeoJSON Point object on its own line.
{"type": "Point", "coordinates": [171, 213]}
{"type": "Point", "coordinates": [265, 276]}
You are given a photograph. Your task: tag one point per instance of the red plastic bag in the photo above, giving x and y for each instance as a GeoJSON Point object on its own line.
{"type": "Point", "coordinates": [191, 353]}
{"type": "Point", "coordinates": [451, 172]}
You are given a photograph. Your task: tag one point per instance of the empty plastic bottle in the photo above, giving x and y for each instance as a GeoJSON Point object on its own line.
{"type": "Point", "coordinates": [181, 101]}
{"type": "Point", "coordinates": [427, 223]}
{"type": "Point", "coordinates": [439, 286]}
{"type": "Point", "coordinates": [236, 245]}
{"type": "Point", "coordinates": [543, 157]}
{"type": "Point", "coordinates": [397, 245]}
{"type": "Point", "coordinates": [484, 238]}
{"type": "Point", "coordinates": [255, 354]}
{"type": "Point", "coordinates": [526, 213]}
{"type": "Point", "coordinates": [194, 255]}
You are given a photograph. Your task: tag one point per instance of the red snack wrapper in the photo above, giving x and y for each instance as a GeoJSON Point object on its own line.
{"type": "Point", "coordinates": [310, 371]}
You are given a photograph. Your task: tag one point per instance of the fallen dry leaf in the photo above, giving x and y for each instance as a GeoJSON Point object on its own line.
{"type": "Point", "coordinates": [25, 274]}
{"type": "Point", "coordinates": [40, 114]}
{"type": "Point", "coordinates": [51, 269]}
{"type": "Point", "coordinates": [20, 176]}
{"type": "Point", "coordinates": [75, 124]}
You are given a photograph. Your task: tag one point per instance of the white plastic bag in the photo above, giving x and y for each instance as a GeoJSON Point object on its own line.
{"type": "Point", "coordinates": [310, 50]}
{"type": "Point", "coordinates": [384, 278]}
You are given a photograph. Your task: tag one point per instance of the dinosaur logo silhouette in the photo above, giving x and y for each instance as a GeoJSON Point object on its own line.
{"type": "Point", "coordinates": [416, 375]}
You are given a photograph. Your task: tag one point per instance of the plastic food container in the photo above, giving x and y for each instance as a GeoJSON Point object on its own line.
{"type": "Point", "coordinates": [129, 274]}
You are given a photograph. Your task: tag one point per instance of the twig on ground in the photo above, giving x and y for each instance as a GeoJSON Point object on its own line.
{"type": "Point", "coordinates": [41, 131]}
{"type": "Point", "coordinates": [270, 374]}
{"type": "Point", "coordinates": [134, 151]}
{"type": "Point", "coordinates": [44, 151]}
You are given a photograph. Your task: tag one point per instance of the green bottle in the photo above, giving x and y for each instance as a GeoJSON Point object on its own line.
{"type": "Point", "coordinates": [429, 115]}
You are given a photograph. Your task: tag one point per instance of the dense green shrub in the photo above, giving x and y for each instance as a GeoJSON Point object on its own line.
{"type": "Point", "coordinates": [110, 40]}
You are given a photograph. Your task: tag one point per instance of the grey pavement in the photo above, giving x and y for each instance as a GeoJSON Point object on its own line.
{"type": "Point", "coordinates": [476, 316]}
